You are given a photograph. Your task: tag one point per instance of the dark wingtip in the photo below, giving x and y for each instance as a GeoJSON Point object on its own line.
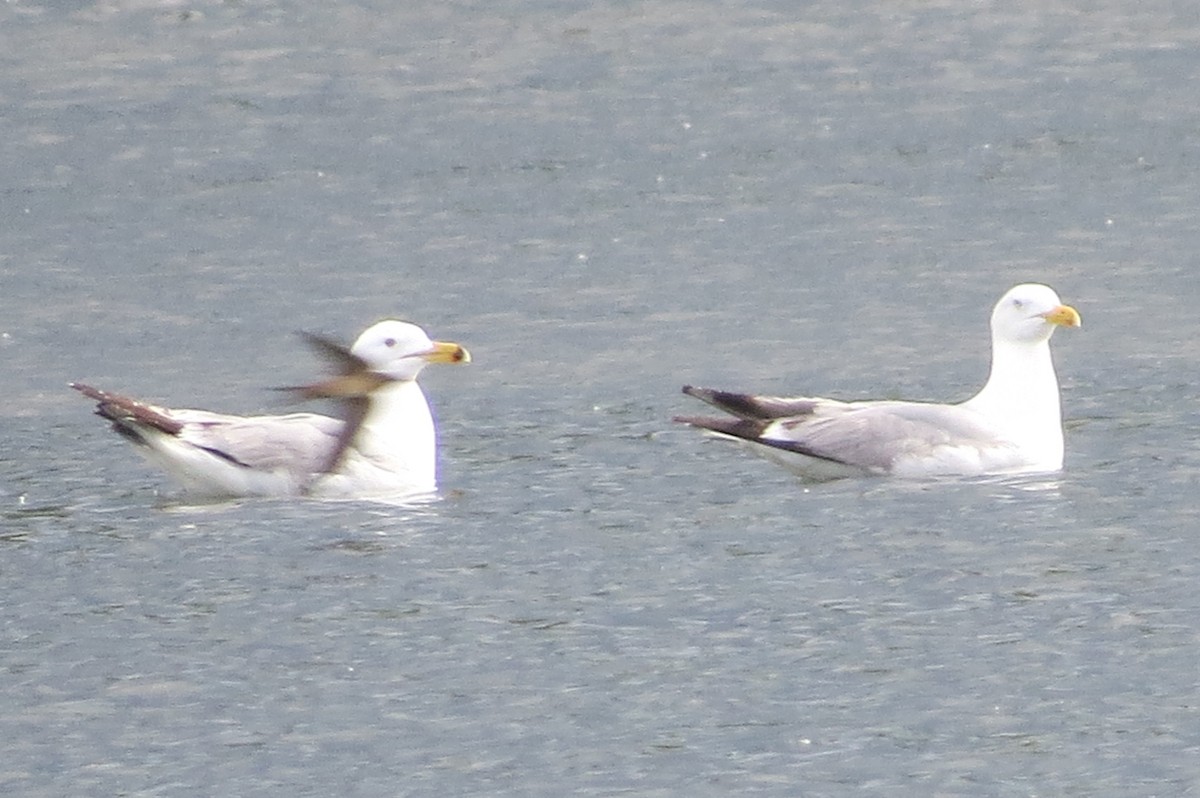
{"type": "Point", "coordinates": [87, 390]}
{"type": "Point", "coordinates": [734, 427]}
{"type": "Point", "coordinates": [122, 410]}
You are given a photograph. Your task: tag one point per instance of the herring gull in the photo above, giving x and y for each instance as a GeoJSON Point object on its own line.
{"type": "Point", "coordinates": [384, 445]}
{"type": "Point", "coordinates": [1013, 425]}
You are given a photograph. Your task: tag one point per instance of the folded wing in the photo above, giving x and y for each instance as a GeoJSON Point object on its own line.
{"type": "Point", "coordinates": [213, 453]}
{"type": "Point", "coordinates": [872, 437]}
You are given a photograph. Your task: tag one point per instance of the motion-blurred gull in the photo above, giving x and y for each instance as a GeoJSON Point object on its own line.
{"type": "Point", "coordinates": [385, 444]}
{"type": "Point", "coordinates": [1012, 425]}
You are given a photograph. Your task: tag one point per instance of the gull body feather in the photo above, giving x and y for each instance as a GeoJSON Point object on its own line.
{"type": "Point", "coordinates": [1012, 425]}
{"type": "Point", "coordinates": [384, 443]}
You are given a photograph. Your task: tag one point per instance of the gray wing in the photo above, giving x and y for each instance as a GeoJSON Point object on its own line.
{"type": "Point", "coordinates": [868, 435]}
{"type": "Point", "coordinates": [300, 443]}
{"type": "Point", "coordinates": [875, 435]}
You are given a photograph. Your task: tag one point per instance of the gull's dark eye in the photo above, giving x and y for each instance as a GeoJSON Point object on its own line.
{"type": "Point", "coordinates": [390, 342]}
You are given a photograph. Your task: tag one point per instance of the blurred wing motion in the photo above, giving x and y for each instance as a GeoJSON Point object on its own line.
{"type": "Point", "coordinates": [382, 446]}
{"type": "Point", "coordinates": [352, 388]}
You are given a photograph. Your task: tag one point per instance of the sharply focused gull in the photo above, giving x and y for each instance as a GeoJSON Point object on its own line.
{"type": "Point", "coordinates": [383, 446]}
{"type": "Point", "coordinates": [1013, 425]}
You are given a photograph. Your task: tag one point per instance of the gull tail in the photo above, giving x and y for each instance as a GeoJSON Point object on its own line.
{"type": "Point", "coordinates": [129, 416]}
{"type": "Point", "coordinates": [745, 429]}
{"type": "Point", "coordinates": [751, 407]}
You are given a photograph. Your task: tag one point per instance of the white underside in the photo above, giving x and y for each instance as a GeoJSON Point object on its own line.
{"type": "Point", "coordinates": [952, 461]}
{"type": "Point", "coordinates": [205, 475]}
{"type": "Point", "coordinates": [362, 477]}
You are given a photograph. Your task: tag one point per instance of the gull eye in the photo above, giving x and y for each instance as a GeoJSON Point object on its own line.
{"type": "Point", "coordinates": [1018, 303]}
{"type": "Point", "coordinates": [390, 342]}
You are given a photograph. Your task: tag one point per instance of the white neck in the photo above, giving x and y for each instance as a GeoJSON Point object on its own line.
{"type": "Point", "coordinates": [1021, 396]}
{"type": "Point", "coordinates": [397, 434]}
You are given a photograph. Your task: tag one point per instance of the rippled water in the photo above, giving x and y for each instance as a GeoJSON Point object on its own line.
{"type": "Point", "coordinates": [602, 203]}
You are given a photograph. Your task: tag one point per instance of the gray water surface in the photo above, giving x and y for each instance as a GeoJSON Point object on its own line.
{"type": "Point", "coordinates": [603, 202]}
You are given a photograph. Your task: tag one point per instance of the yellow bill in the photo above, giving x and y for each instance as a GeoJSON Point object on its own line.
{"type": "Point", "coordinates": [1063, 315]}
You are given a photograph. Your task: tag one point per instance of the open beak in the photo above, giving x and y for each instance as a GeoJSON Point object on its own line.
{"type": "Point", "coordinates": [445, 352]}
{"type": "Point", "coordinates": [1064, 316]}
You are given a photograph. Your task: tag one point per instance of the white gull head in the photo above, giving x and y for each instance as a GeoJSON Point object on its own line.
{"type": "Point", "coordinates": [399, 350]}
{"type": "Point", "coordinates": [1028, 314]}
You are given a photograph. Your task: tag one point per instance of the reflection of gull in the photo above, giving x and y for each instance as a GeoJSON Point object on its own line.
{"type": "Point", "coordinates": [383, 446]}
{"type": "Point", "coordinates": [1012, 425]}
